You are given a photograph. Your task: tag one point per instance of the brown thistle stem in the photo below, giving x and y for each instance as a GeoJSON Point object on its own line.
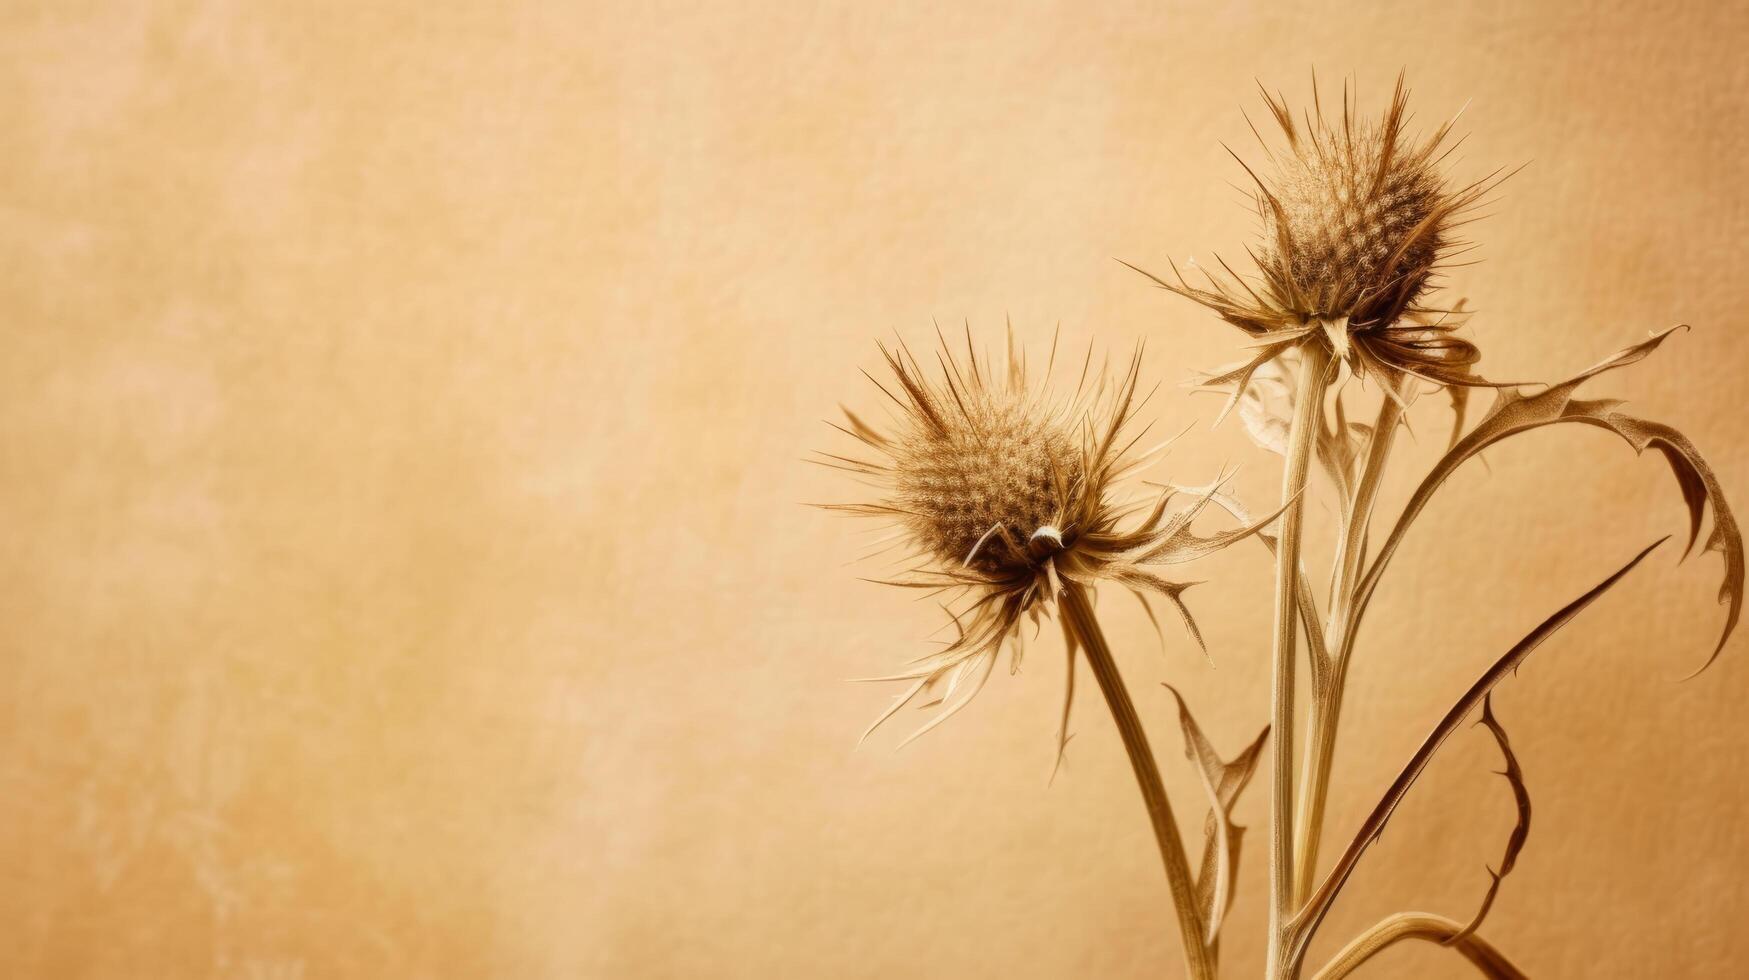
{"type": "Point", "coordinates": [1308, 418]}
{"type": "Point", "coordinates": [1078, 614]}
{"type": "Point", "coordinates": [1424, 926]}
{"type": "Point", "coordinates": [1326, 712]}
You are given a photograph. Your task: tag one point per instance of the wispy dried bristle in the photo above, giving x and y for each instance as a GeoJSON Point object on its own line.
{"type": "Point", "coordinates": [986, 482]}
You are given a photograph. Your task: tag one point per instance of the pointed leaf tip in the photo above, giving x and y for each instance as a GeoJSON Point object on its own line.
{"type": "Point", "coordinates": [1222, 781]}
{"type": "Point", "coordinates": [1517, 410]}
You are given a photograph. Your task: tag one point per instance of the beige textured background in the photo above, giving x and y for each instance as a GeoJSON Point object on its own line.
{"type": "Point", "coordinates": [403, 567]}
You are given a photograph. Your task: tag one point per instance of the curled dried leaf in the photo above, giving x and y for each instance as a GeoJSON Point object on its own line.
{"type": "Point", "coordinates": [1263, 395]}
{"type": "Point", "coordinates": [1308, 605]}
{"type": "Point", "coordinates": [1340, 448]}
{"type": "Point", "coordinates": [1514, 411]}
{"type": "Point", "coordinates": [1520, 830]}
{"type": "Point", "coordinates": [1267, 423]}
{"type": "Point", "coordinates": [1426, 927]}
{"type": "Point", "coordinates": [1306, 923]}
{"type": "Point", "coordinates": [1261, 390]}
{"type": "Point", "coordinates": [1223, 781]}
{"type": "Point", "coordinates": [1071, 646]}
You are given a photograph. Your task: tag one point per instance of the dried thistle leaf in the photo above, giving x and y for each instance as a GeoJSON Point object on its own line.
{"type": "Point", "coordinates": [1266, 406]}
{"type": "Point", "coordinates": [1308, 605]}
{"type": "Point", "coordinates": [1460, 403]}
{"type": "Point", "coordinates": [1339, 449]}
{"type": "Point", "coordinates": [1515, 411]}
{"type": "Point", "coordinates": [1424, 927]}
{"type": "Point", "coordinates": [1263, 396]}
{"type": "Point", "coordinates": [1306, 923]}
{"type": "Point", "coordinates": [1222, 781]}
{"type": "Point", "coordinates": [1520, 830]}
{"type": "Point", "coordinates": [1071, 646]}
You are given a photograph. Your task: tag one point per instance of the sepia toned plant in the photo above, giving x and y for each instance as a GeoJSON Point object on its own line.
{"type": "Point", "coordinates": [1357, 222]}
{"type": "Point", "coordinates": [1010, 499]}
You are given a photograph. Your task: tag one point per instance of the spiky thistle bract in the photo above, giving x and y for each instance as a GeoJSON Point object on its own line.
{"type": "Point", "coordinates": [1000, 491]}
{"type": "Point", "coordinates": [1358, 220]}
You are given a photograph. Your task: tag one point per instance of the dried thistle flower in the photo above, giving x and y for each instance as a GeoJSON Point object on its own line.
{"type": "Point", "coordinates": [1002, 493]}
{"type": "Point", "coordinates": [1010, 497]}
{"type": "Point", "coordinates": [1358, 221]}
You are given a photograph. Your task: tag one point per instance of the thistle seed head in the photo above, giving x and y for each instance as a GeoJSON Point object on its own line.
{"type": "Point", "coordinates": [1355, 220]}
{"type": "Point", "coordinates": [983, 481]}
{"type": "Point", "coordinates": [1003, 494]}
{"type": "Point", "coordinates": [1358, 220]}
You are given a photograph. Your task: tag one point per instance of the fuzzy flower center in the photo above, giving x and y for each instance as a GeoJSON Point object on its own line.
{"type": "Point", "coordinates": [1001, 468]}
{"type": "Point", "coordinates": [1351, 232]}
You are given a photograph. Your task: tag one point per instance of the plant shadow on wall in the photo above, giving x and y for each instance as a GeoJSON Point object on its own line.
{"type": "Point", "coordinates": [1014, 504]}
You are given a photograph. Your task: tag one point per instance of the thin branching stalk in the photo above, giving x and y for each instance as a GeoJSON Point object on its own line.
{"type": "Point", "coordinates": [1308, 419]}
{"type": "Point", "coordinates": [1318, 904]}
{"type": "Point", "coordinates": [1326, 714]}
{"type": "Point", "coordinates": [1358, 220]}
{"type": "Point", "coordinates": [1077, 612]}
{"type": "Point", "coordinates": [1429, 928]}
{"type": "Point", "coordinates": [1351, 547]}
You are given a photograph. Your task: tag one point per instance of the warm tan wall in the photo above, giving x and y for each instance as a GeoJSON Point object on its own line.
{"type": "Point", "coordinates": [403, 567]}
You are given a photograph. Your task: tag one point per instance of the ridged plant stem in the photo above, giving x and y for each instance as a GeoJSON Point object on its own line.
{"type": "Point", "coordinates": [1308, 419]}
{"type": "Point", "coordinates": [1326, 714]}
{"type": "Point", "coordinates": [1078, 614]}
